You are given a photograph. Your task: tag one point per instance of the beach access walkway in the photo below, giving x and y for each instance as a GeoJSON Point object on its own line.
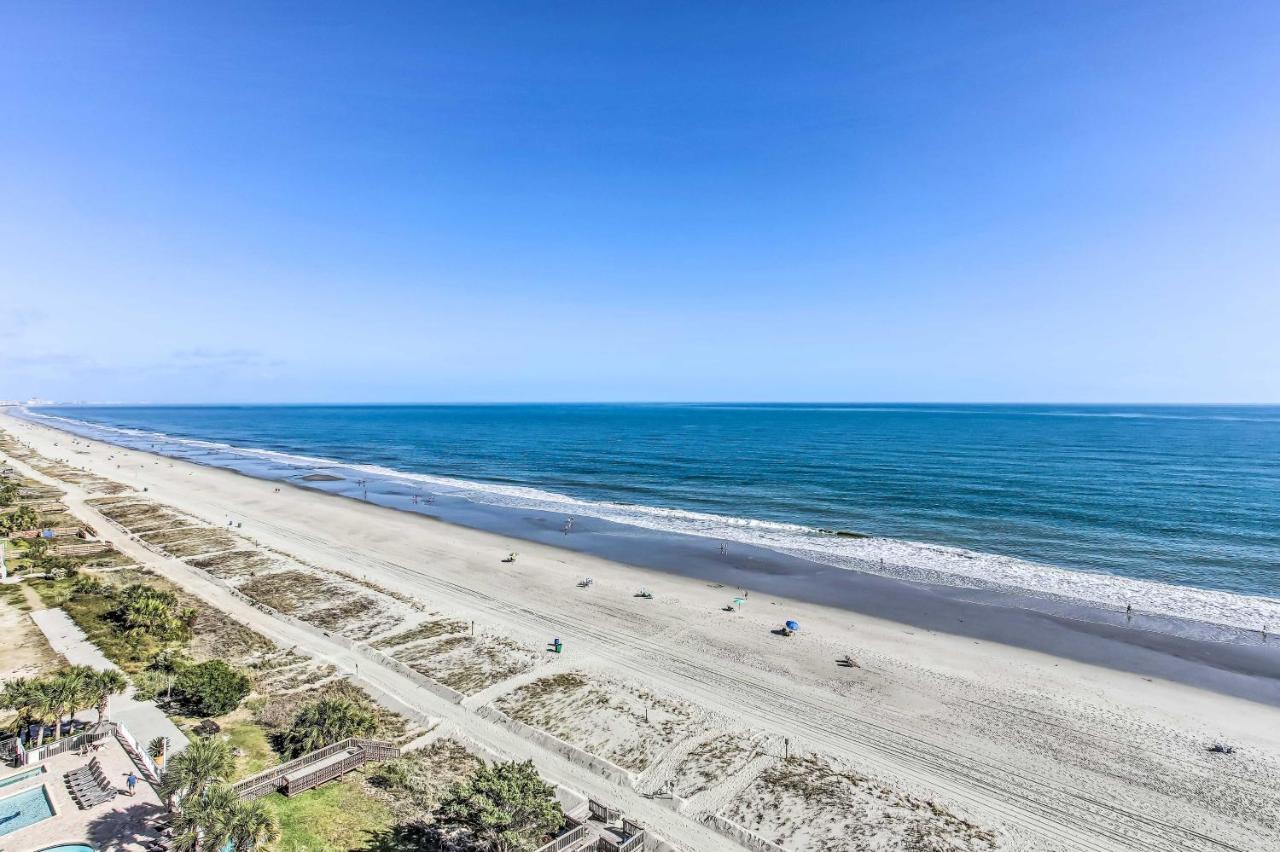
{"type": "Point", "coordinates": [144, 719]}
{"type": "Point", "coordinates": [315, 768]}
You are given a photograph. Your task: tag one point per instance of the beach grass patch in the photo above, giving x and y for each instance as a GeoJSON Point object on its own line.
{"type": "Point", "coordinates": [426, 630]}
{"type": "Point", "coordinates": [810, 802]}
{"type": "Point", "coordinates": [470, 664]}
{"type": "Point", "coordinates": [342, 814]}
{"type": "Point", "coordinates": [619, 721]}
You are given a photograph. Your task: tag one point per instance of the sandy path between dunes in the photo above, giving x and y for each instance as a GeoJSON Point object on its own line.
{"type": "Point", "coordinates": [1051, 753]}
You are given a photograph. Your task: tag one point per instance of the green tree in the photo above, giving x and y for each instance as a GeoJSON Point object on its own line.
{"type": "Point", "coordinates": [169, 662]}
{"type": "Point", "coordinates": [326, 722]}
{"type": "Point", "coordinates": [101, 685]}
{"type": "Point", "coordinates": [204, 762]}
{"type": "Point", "coordinates": [8, 493]}
{"type": "Point", "coordinates": [20, 519]}
{"type": "Point", "coordinates": [43, 706]}
{"type": "Point", "coordinates": [246, 825]}
{"type": "Point", "coordinates": [506, 807]}
{"type": "Point", "coordinates": [69, 691]}
{"type": "Point", "coordinates": [218, 820]}
{"type": "Point", "coordinates": [21, 695]}
{"type": "Point", "coordinates": [211, 688]}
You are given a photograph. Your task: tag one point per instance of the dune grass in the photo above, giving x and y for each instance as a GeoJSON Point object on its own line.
{"type": "Point", "coordinates": [339, 815]}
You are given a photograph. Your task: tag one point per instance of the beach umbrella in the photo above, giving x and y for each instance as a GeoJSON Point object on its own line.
{"type": "Point", "coordinates": [792, 625]}
{"type": "Point", "coordinates": [739, 602]}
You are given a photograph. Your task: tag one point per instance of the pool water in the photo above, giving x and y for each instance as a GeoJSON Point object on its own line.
{"type": "Point", "coordinates": [21, 776]}
{"type": "Point", "coordinates": [69, 847]}
{"type": "Point", "coordinates": [23, 809]}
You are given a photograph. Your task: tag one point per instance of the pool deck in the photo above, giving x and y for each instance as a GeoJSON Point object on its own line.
{"type": "Point", "coordinates": [114, 826]}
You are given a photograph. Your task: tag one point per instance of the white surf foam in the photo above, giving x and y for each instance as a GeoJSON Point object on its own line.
{"type": "Point", "coordinates": [886, 556]}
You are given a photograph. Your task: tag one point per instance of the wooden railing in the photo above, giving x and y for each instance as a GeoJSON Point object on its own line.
{"type": "Point", "coordinates": [270, 780]}
{"type": "Point", "coordinates": [565, 840]}
{"type": "Point", "coordinates": [377, 749]}
{"type": "Point", "coordinates": [602, 812]}
{"type": "Point", "coordinates": [282, 769]}
{"type": "Point", "coordinates": [635, 841]}
{"type": "Point", "coordinates": [62, 746]}
{"type": "Point", "coordinates": [327, 773]}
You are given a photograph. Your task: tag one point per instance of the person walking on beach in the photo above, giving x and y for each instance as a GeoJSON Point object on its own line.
{"type": "Point", "coordinates": [132, 783]}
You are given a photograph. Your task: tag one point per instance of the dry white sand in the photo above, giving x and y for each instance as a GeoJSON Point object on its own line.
{"type": "Point", "coordinates": [935, 742]}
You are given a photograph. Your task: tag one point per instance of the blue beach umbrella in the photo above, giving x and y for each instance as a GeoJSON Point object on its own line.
{"type": "Point", "coordinates": [792, 625]}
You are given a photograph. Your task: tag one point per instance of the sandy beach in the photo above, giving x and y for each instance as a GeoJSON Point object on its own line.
{"type": "Point", "coordinates": [705, 721]}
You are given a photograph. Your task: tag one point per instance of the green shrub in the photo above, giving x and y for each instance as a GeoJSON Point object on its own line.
{"type": "Point", "coordinates": [326, 722]}
{"type": "Point", "coordinates": [211, 688]}
{"type": "Point", "coordinates": [504, 806]}
{"type": "Point", "coordinates": [149, 685]}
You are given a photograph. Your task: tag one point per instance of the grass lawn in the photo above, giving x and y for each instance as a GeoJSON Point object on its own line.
{"type": "Point", "coordinates": [255, 751]}
{"type": "Point", "coordinates": [339, 815]}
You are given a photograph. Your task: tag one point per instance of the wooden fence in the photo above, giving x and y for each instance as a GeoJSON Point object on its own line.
{"type": "Point", "coordinates": [565, 840]}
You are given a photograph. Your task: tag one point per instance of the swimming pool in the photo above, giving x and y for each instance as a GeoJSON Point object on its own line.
{"type": "Point", "coordinates": [21, 776]}
{"type": "Point", "coordinates": [23, 809]}
{"type": "Point", "coordinates": [68, 847]}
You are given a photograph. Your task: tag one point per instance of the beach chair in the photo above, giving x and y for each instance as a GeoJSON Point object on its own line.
{"type": "Point", "coordinates": [97, 797]}
{"type": "Point", "coordinates": [80, 780]}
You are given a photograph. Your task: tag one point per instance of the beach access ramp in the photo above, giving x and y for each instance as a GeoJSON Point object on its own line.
{"type": "Point", "coordinates": [315, 768]}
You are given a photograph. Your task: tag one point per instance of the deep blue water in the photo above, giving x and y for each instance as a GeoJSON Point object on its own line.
{"type": "Point", "coordinates": [1182, 495]}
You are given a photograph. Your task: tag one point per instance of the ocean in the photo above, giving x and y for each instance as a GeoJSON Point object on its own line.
{"type": "Point", "coordinates": [1170, 509]}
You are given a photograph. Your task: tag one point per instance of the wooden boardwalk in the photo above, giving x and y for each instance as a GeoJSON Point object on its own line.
{"type": "Point", "coordinates": [315, 768]}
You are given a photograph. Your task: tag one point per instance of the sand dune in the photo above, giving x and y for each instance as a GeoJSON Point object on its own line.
{"type": "Point", "coordinates": [933, 742]}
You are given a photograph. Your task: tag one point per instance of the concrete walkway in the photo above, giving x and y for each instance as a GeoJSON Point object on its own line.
{"type": "Point", "coordinates": [143, 718]}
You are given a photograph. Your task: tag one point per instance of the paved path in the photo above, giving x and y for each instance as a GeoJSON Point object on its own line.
{"type": "Point", "coordinates": [685, 830]}
{"type": "Point", "coordinates": [143, 718]}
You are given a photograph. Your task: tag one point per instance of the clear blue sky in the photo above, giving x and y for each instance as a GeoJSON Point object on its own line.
{"type": "Point", "coordinates": [656, 201]}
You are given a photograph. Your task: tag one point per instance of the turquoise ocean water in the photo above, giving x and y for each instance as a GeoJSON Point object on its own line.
{"type": "Point", "coordinates": [1085, 501]}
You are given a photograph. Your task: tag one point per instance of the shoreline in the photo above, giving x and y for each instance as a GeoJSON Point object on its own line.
{"type": "Point", "coordinates": [1041, 751]}
{"type": "Point", "coordinates": [1243, 666]}
{"type": "Point", "coordinates": [1192, 611]}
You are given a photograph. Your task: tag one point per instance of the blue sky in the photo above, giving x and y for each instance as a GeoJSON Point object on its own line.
{"type": "Point", "coordinates": [640, 201]}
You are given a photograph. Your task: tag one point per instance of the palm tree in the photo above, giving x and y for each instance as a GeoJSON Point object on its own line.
{"type": "Point", "coordinates": [101, 685]}
{"type": "Point", "coordinates": [251, 825]}
{"type": "Point", "coordinates": [326, 722]}
{"type": "Point", "coordinates": [41, 705]}
{"type": "Point", "coordinates": [192, 770]}
{"type": "Point", "coordinates": [169, 662]}
{"type": "Point", "coordinates": [199, 820]}
{"type": "Point", "coordinates": [19, 695]}
{"type": "Point", "coordinates": [219, 820]}
{"type": "Point", "coordinates": [67, 690]}
{"type": "Point", "coordinates": [37, 548]}
{"type": "Point", "coordinates": [150, 615]}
